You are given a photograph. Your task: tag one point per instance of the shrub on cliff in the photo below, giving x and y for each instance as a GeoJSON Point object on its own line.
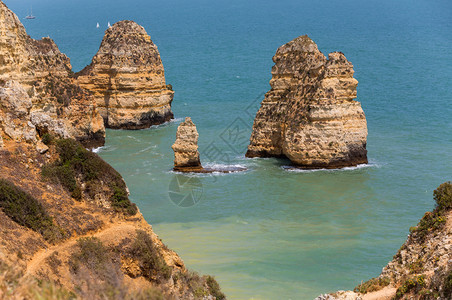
{"type": "Point", "coordinates": [372, 285]}
{"type": "Point", "coordinates": [25, 210]}
{"type": "Point", "coordinates": [436, 219]}
{"type": "Point", "coordinates": [214, 288]}
{"type": "Point", "coordinates": [443, 196]}
{"type": "Point", "coordinates": [96, 275]}
{"type": "Point", "coordinates": [415, 284]}
{"type": "Point", "coordinates": [75, 162]}
{"type": "Point", "coordinates": [152, 264]}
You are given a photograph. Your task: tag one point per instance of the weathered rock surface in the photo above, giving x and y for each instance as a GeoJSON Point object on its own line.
{"type": "Point", "coordinates": [309, 114]}
{"type": "Point", "coordinates": [127, 79]}
{"type": "Point", "coordinates": [186, 155]}
{"type": "Point", "coordinates": [37, 93]}
{"type": "Point", "coordinates": [422, 268]}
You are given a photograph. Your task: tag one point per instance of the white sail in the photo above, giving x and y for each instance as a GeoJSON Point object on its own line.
{"type": "Point", "coordinates": [97, 26]}
{"type": "Point", "coordinates": [109, 25]}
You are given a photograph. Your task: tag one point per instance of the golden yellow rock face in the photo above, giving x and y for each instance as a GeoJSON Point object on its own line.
{"type": "Point", "coordinates": [309, 115]}
{"type": "Point", "coordinates": [37, 93]}
{"type": "Point", "coordinates": [127, 79]}
{"type": "Point", "coordinates": [186, 155]}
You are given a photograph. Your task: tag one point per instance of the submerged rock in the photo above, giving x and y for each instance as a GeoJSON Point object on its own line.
{"type": "Point", "coordinates": [186, 155]}
{"type": "Point", "coordinates": [127, 79]}
{"type": "Point", "coordinates": [309, 115]}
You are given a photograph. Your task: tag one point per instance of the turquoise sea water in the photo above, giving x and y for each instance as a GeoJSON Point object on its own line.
{"type": "Point", "coordinates": [272, 233]}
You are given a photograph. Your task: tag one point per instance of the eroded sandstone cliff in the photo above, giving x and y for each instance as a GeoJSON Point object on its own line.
{"type": "Point", "coordinates": [309, 114]}
{"type": "Point", "coordinates": [127, 79]}
{"type": "Point", "coordinates": [37, 93]}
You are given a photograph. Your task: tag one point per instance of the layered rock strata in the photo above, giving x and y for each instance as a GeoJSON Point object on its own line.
{"type": "Point", "coordinates": [186, 155]}
{"type": "Point", "coordinates": [127, 79]}
{"type": "Point", "coordinates": [309, 114]}
{"type": "Point", "coordinates": [37, 93]}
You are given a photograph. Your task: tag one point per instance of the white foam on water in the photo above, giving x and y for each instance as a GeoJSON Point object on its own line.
{"type": "Point", "coordinates": [97, 150]}
{"type": "Point", "coordinates": [298, 170]}
{"type": "Point", "coordinates": [146, 149]}
{"type": "Point", "coordinates": [218, 166]}
{"type": "Point", "coordinates": [176, 121]}
{"type": "Point", "coordinates": [103, 149]}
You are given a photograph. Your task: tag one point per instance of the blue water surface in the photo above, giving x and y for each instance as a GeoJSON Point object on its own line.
{"type": "Point", "coordinates": [273, 233]}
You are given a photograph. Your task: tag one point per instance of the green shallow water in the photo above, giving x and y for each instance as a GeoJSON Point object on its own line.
{"type": "Point", "coordinates": [270, 233]}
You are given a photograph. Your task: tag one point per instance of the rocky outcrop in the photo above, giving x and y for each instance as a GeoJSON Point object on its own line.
{"type": "Point", "coordinates": [422, 268]}
{"type": "Point", "coordinates": [127, 79]}
{"type": "Point", "coordinates": [186, 155]}
{"type": "Point", "coordinates": [37, 91]}
{"type": "Point", "coordinates": [98, 247]}
{"type": "Point", "coordinates": [309, 114]}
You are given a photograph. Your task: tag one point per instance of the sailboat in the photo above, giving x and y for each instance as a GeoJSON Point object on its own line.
{"type": "Point", "coordinates": [109, 25]}
{"type": "Point", "coordinates": [30, 16]}
{"type": "Point", "coordinates": [97, 26]}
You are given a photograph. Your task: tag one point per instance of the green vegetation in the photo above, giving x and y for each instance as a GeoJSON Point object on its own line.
{"type": "Point", "coordinates": [415, 283]}
{"type": "Point", "coordinates": [443, 196]}
{"type": "Point", "coordinates": [372, 285]}
{"type": "Point", "coordinates": [91, 254]}
{"type": "Point", "coordinates": [54, 262]}
{"type": "Point", "coordinates": [199, 286]}
{"type": "Point", "coordinates": [417, 266]}
{"type": "Point", "coordinates": [448, 284]}
{"type": "Point", "coordinates": [96, 274]}
{"type": "Point", "coordinates": [214, 288]}
{"type": "Point", "coordinates": [63, 91]}
{"type": "Point", "coordinates": [152, 264]}
{"type": "Point", "coordinates": [75, 162]}
{"type": "Point", "coordinates": [25, 210]}
{"type": "Point", "coordinates": [47, 138]}
{"type": "Point", "coordinates": [436, 219]}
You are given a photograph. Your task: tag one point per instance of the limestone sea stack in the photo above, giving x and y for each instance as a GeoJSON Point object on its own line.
{"type": "Point", "coordinates": [310, 115]}
{"type": "Point", "coordinates": [37, 92]}
{"type": "Point", "coordinates": [186, 155]}
{"type": "Point", "coordinates": [127, 79]}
